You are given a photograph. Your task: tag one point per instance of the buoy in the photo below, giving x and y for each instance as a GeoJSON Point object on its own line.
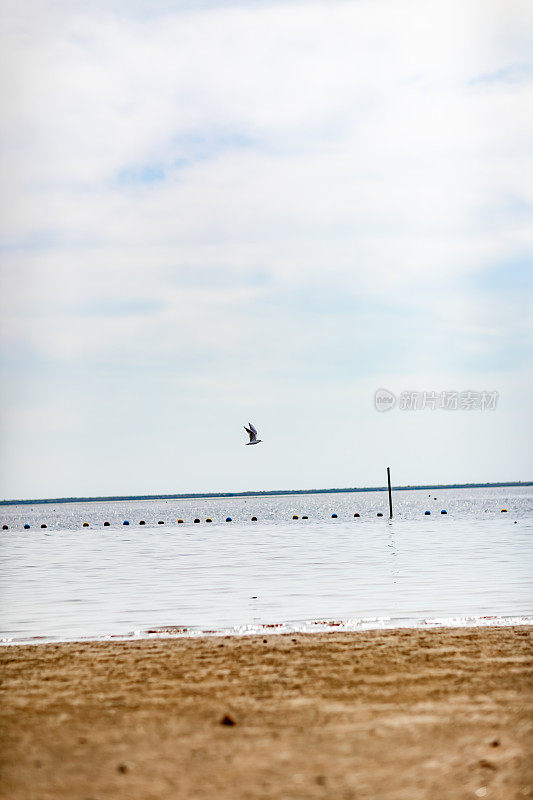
{"type": "Point", "coordinates": [427, 512]}
{"type": "Point", "coordinates": [142, 522]}
{"type": "Point", "coordinates": [333, 516]}
{"type": "Point", "coordinates": [180, 521]}
{"type": "Point", "coordinates": [443, 511]}
{"type": "Point", "coordinates": [295, 516]}
{"type": "Point", "coordinates": [228, 519]}
{"type": "Point", "coordinates": [357, 515]}
{"type": "Point", "coordinates": [254, 519]}
{"type": "Point", "coordinates": [379, 514]}
{"type": "Point", "coordinates": [160, 522]}
{"type": "Point", "coordinates": [5, 528]}
{"type": "Point", "coordinates": [197, 520]}
{"type": "Point", "coordinates": [43, 525]}
{"type": "Point", "coordinates": [504, 511]}
{"type": "Point", "coordinates": [126, 522]}
{"type": "Point", "coordinates": [208, 519]}
{"type": "Point", "coordinates": [106, 524]}
{"type": "Point", "coordinates": [26, 526]}
{"type": "Point", "coordinates": [304, 517]}
{"type": "Point", "coordinates": [85, 524]}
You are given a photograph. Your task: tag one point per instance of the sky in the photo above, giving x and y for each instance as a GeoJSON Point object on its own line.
{"type": "Point", "coordinates": [223, 212]}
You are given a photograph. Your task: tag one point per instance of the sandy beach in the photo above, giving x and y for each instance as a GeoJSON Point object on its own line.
{"type": "Point", "coordinates": [403, 714]}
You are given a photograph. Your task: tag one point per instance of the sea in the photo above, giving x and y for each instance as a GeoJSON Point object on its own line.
{"type": "Point", "coordinates": [305, 563]}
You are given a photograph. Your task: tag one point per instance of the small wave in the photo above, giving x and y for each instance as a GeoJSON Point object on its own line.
{"type": "Point", "coordinates": [309, 626]}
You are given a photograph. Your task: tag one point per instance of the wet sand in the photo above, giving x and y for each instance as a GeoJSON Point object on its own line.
{"type": "Point", "coordinates": [398, 715]}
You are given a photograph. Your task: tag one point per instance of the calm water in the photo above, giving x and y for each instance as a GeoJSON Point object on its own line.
{"type": "Point", "coordinates": [69, 582]}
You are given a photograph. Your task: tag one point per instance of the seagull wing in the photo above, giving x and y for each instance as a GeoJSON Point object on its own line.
{"type": "Point", "coordinates": [251, 434]}
{"type": "Point", "coordinates": [252, 428]}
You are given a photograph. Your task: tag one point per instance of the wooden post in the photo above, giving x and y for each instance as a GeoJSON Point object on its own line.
{"type": "Point", "coordinates": [390, 493]}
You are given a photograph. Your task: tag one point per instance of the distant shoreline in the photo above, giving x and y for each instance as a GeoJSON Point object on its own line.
{"type": "Point", "coordinates": [270, 493]}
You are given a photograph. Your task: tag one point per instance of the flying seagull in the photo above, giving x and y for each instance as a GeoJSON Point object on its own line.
{"type": "Point", "coordinates": [252, 433]}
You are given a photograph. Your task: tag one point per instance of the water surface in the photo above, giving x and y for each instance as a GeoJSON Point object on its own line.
{"type": "Point", "coordinates": [470, 566]}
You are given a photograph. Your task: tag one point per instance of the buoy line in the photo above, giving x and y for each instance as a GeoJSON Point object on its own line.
{"type": "Point", "coordinates": [295, 517]}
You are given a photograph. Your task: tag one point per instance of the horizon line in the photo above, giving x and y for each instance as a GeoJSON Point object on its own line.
{"type": "Point", "coordinates": [268, 492]}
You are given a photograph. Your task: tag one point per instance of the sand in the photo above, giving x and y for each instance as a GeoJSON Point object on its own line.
{"type": "Point", "coordinates": [398, 715]}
